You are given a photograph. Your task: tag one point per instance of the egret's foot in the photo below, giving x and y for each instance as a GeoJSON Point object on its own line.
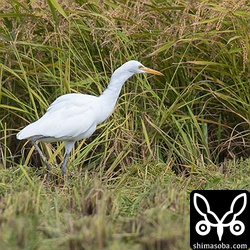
{"type": "Point", "coordinates": [63, 168]}
{"type": "Point", "coordinates": [48, 167]}
{"type": "Point", "coordinates": [48, 176]}
{"type": "Point", "coordinates": [65, 177]}
{"type": "Point", "coordinates": [48, 170]}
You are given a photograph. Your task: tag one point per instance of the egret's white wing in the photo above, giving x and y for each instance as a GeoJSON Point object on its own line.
{"type": "Point", "coordinates": [68, 117]}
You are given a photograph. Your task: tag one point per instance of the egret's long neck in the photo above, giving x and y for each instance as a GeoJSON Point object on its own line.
{"type": "Point", "coordinates": [113, 90]}
{"type": "Point", "coordinates": [109, 97]}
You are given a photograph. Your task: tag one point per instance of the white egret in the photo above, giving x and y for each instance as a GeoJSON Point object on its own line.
{"type": "Point", "coordinates": [74, 117]}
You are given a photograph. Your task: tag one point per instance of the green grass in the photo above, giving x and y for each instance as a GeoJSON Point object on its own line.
{"type": "Point", "coordinates": [129, 183]}
{"type": "Point", "coordinates": [143, 207]}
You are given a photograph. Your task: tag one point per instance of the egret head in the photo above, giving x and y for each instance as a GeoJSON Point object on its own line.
{"type": "Point", "coordinates": [135, 67]}
{"type": "Point", "coordinates": [127, 70]}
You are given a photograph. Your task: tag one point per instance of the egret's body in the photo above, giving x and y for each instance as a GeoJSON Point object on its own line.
{"type": "Point", "coordinates": [74, 117]}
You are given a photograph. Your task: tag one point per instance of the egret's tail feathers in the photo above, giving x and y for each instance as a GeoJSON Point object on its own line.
{"type": "Point", "coordinates": [27, 132]}
{"type": "Point", "coordinates": [22, 135]}
{"type": "Point", "coordinates": [19, 136]}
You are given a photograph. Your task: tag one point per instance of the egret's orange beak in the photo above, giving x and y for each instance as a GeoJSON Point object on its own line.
{"type": "Point", "coordinates": [151, 71]}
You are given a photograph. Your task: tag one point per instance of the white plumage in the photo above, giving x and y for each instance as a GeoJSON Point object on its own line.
{"type": "Point", "coordinates": [65, 119]}
{"type": "Point", "coordinates": [73, 117]}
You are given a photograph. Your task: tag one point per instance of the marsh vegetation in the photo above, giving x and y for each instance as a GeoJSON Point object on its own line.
{"type": "Point", "coordinates": [129, 183]}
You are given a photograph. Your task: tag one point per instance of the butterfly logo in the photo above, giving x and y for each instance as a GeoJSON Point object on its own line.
{"type": "Point", "coordinates": [203, 227]}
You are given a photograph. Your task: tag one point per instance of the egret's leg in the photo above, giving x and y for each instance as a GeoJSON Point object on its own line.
{"type": "Point", "coordinates": [34, 139]}
{"type": "Point", "coordinates": [68, 146]}
{"type": "Point", "coordinates": [63, 168]}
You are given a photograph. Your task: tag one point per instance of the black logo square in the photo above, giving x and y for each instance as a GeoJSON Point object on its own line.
{"type": "Point", "coordinates": [219, 219]}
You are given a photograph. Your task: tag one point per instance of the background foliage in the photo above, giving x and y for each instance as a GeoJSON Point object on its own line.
{"type": "Point", "coordinates": [194, 119]}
